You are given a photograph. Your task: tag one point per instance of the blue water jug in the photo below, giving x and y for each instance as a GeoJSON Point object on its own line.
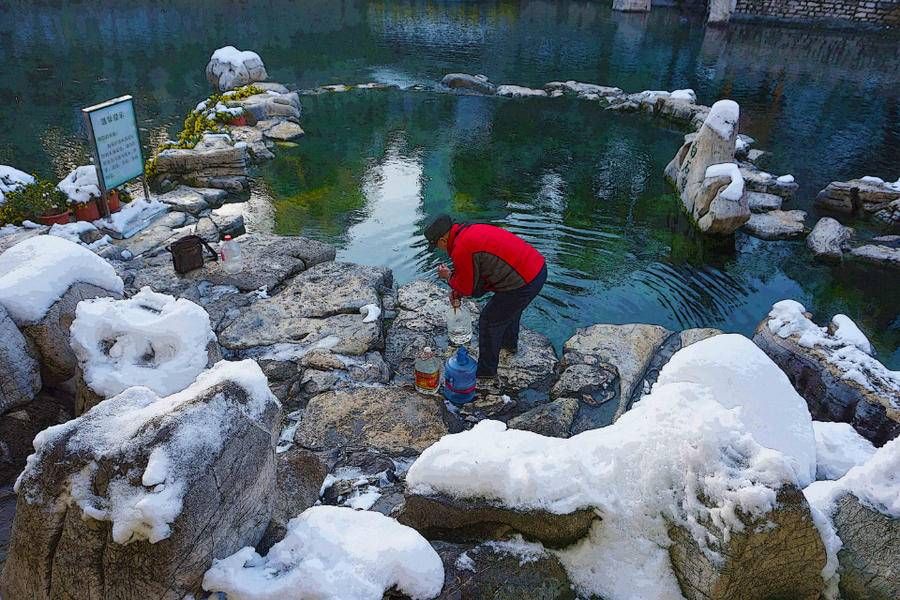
{"type": "Point", "coordinates": [459, 377]}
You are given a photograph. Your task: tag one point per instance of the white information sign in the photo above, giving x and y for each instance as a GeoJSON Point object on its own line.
{"type": "Point", "coordinates": [117, 145]}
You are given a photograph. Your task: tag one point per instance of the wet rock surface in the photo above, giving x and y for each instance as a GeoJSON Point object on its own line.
{"type": "Point", "coordinates": [776, 224]}
{"type": "Point", "coordinates": [829, 239]}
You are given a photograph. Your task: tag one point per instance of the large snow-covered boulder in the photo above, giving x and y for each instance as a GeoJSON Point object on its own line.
{"type": "Point", "coordinates": [395, 420]}
{"type": "Point", "coordinates": [333, 553]}
{"type": "Point", "coordinates": [20, 376]}
{"type": "Point", "coordinates": [229, 68]}
{"type": "Point", "coordinates": [862, 514]}
{"type": "Point", "coordinates": [42, 280]}
{"type": "Point", "coordinates": [708, 181]}
{"type": "Point", "coordinates": [833, 370]}
{"type": "Point", "coordinates": [11, 180]}
{"type": "Point", "coordinates": [135, 498]}
{"type": "Point", "coordinates": [829, 239]}
{"type": "Point", "coordinates": [150, 339]}
{"type": "Point", "coordinates": [698, 451]}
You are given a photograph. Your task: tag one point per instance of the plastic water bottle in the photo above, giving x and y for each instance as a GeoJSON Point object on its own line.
{"type": "Point", "coordinates": [459, 324]}
{"type": "Point", "coordinates": [231, 256]}
{"type": "Point", "coordinates": [459, 377]}
{"type": "Point", "coordinates": [428, 372]}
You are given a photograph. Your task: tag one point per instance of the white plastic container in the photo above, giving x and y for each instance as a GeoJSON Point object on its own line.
{"type": "Point", "coordinates": [230, 253]}
{"type": "Point", "coordinates": [459, 324]}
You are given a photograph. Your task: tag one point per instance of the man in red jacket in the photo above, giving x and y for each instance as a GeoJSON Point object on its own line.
{"type": "Point", "coordinates": [490, 259]}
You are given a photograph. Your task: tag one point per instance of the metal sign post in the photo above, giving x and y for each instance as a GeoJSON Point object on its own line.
{"type": "Point", "coordinates": [116, 145]}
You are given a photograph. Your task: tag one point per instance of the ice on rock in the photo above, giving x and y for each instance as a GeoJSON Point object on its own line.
{"type": "Point", "coordinates": [839, 448]}
{"type": "Point", "coordinates": [150, 339]}
{"type": "Point", "coordinates": [125, 425]}
{"type": "Point", "coordinates": [723, 118]}
{"type": "Point", "coordinates": [333, 553]}
{"type": "Point", "coordinates": [11, 180]}
{"type": "Point", "coordinates": [36, 273]}
{"type": "Point", "coordinates": [719, 433]}
{"type": "Point", "coordinates": [735, 189]}
{"type": "Point", "coordinates": [80, 185]}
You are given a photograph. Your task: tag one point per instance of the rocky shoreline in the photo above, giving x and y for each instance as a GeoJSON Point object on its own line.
{"type": "Point", "coordinates": [289, 398]}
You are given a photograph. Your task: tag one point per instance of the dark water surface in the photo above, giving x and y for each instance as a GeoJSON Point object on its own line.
{"type": "Point", "coordinates": [583, 185]}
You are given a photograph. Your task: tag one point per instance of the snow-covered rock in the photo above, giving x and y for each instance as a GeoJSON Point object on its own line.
{"type": "Point", "coordinates": [474, 83]}
{"type": "Point", "coordinates": [582, 90]}
{"type": "Point", "coordinates": [839, 381]}
{"type": "Point", "coordinates": [829, 239]}
{"type": "Point", "coordinates": [698, 452]}
{"type": "Point", "coordinates": [776, 224]}
{"type": "Point", "coordinates": [151, 340]}
{"type": "Point", "coordinates": [229, 68]}
{"type": "Point", "coordinates": [20, 377]}
{"type": "Point", "coordinates": [756, 180]}
{"type": "Point", "coordinates": [156, 485]}
{"type": "Point", "coordinates": [838, 449]}
{"type": "Point", "coordinates": [709, 183]}
{"type": "Point", "coordinates": [11, 180]}
{"type": "Point", "coordinates": [517, 91]}
{"type": "Point", "coordinates": [394, 420]}
{"type": "Point", "coordinates": [80, 185]}
{"type": "Point", "coordinates": [862, 510]}
{"type": "Point", "coordinates": [42, 280]}
{"type": "Point", "coordinates": [333, 553]}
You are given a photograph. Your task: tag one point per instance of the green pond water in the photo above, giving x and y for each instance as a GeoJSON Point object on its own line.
{"type": "Point", "coordinates": [583, 185]}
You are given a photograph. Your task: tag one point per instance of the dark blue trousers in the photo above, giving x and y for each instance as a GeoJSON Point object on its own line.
{"type": "Point", "coordinates": [498, 326]}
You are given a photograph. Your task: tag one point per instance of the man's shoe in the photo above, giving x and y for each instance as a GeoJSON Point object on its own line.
{"type": "Point", "coordinates": [488, 384]}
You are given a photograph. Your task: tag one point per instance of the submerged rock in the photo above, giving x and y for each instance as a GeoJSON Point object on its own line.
{"type": "Point", "coordinates": [474, 83]}
{"type": "Point", "coordinates": [459, 520]}
{"type": "Point", "coordinates": [20, 377]}
{"type": "Point", "coordinates": [838, 380]}
{"type": "Point", "coordinates": [829, 239]}
{"type": "Point", "coordinates": [777, 555]}
{"type": "Point", "coordinates": [161, 486]}
{"type": "Point", "coordinates": [776, 224]}
{"type": "Point", "coordinates": [502, 570]}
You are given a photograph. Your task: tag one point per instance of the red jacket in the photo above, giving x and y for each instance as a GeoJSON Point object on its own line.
{"type": "Point", "coordinates": [490, 259]}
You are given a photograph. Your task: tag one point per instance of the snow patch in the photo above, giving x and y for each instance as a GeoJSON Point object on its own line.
{"type": "Point", "coordinates": [35, 273]}
{"type": "Point", "coordinates": [846, 331]}
{"type": "Point", "coordinates": [151, 339]}
{"type": "Point", "coordinates": [133, 217]}
{"type": "Point", "coordinates": [527, 552]}
{"type": "Point", "coordinates": [333, 553]}
{"type": "Point", "coordinates": [719, 433]}
{"type": "Point", "coordinates": [735, 189]}
{"type": "Point", "coordinates": [371, 312]}
{"type": "Point", "coordinates": [11, 180]}
{"type": "Point", "coordinates": [839, 448]}
{"type": "Point", "coordinates": [785, 178]}
{"type": "Point", "coordinates": [685, 94]}
{"type": "Point", "coordinates": [723, 118]}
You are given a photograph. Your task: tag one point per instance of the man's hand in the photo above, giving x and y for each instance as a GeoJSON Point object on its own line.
{"type": "Point", "coordinates": [444, 272]}
{"type": "Point", "coordinates": [455, 299]}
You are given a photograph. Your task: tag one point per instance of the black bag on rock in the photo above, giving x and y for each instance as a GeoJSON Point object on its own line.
{"type": "Point", "coordinates": [187, 253]}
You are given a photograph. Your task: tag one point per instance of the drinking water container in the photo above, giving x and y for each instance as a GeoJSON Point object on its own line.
{"type": "Point", "coordinates": [459, 377]}
{"type": "Point", "coordinates": [427, 372]}
{"type": "Point", "coordinates": [231, 256]}
{"type": "Point", "coordinates": [459, 324]}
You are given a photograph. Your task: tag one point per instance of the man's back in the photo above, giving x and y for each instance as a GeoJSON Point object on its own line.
{"type": "Point", "coordinates": [488, 258]}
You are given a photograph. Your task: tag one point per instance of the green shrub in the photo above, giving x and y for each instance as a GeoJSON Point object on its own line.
{"type": "Point", "coordinates": [31, 201]}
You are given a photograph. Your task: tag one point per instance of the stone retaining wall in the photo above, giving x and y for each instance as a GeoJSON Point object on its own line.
{"type": "Point", "coordinates": [867, 12]}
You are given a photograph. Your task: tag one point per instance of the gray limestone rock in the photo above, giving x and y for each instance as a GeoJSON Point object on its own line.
{"type": "Point", "coordinates": [281, 131]}
{"type": "Point", "coordinates": [870, 555]}
{"type": "Point", "coordinates": [829, 239]}
{"type": "Point", "coordinates": [193, 200]}
{"type": "Point", "coordinates": [777, 555]}
{"type": "Point", "coordinates": [553, 419]}
{"type": "Point", "coordinates": [631, 5]}
{"type": "Point", "coordinates": [884, 251]}
{"type": "Point", "coordinates": [20, 376]}
{"type": "Point", "coordinates": [761, 202]}
{"type": "Point", "coordinates": [756, 180]}
{"type": "Point", "coordinates": [260, 147]}
{"type": "Point", "coordinates": [494, 570]}
{"type": "Point", "coordinates": [857, 196]}
{"type": "Point", "coordinates": [394, 420]}
{"type": "Point", "coordinates": [441, 517]}
{"type": "Point", "coordinates": [19, 425]}
{"type": "Point", "coordinates": [776, 224]}
{"type": "Point", "coordinates": [65, 546]}
{"type": "Point", "coordinates": [299, 475]}
{"type": "Point", "coordinates": [264, 107]}
{"type": "Point", "coordinates": [473, 83]}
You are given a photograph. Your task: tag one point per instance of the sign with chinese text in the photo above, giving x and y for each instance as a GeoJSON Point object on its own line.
{"type": "Point", "coordinates": [117, 146]}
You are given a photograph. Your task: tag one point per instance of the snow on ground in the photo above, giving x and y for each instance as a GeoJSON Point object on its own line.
{"type": "Point", "coordinates": [36, 273]}
{"type": "Point", "coordinates": [723, 118]}
{"type": "Point", "coordinates": [839, 448]}
{"type": "Point", "coordinates": [133, 216]}
{"type": "Point", "coordinates": [721, 423]}
{"type": "Point", "coordinates": [517, 91]}
{"type": "Point", "coordinates": [80, 185]}
{"type": "Point", "coordinates": [333, 553]}
{"type": "Point", "coordinates": [128, 423]}
{"type": "Point", "coordinates": [787, 318]}
{"type": "Point", "coordinates": [735, 189]}
{"type": "Point", "coordinates": [12, 179]}
{"type": "Point", "coordinates": [150, 339]}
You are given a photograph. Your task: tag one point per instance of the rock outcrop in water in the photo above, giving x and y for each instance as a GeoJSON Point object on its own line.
{"type": "Point", "coordinates": [864, 196]}
{"type": "Point", "coordinates": [706, 177]}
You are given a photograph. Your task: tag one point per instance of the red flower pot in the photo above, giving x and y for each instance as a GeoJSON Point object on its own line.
{"type": "Point", "coordinates": [238, 121]}
{"type": "Point", "coordinates": [58, 219]}
{"type": "Point", "coordinates": [87, 211]}
{"type": "Point", "coordinates": [112, 201]}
